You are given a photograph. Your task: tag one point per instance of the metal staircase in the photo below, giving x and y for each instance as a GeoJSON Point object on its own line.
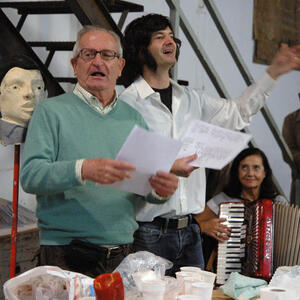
{"type": "Point", "coordinates": [96, 12]}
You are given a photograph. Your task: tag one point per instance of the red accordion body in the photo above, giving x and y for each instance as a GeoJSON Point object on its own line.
{"type": "Point", "coordinates": [258, 260]}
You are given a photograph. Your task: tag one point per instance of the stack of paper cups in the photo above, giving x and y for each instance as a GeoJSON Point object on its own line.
{"type": "Point", "coordinates": [188, 283]}
{"type": "Point", "coordinates": [183, 274]}
{"type": "Point", "coordinates": [274, 293]}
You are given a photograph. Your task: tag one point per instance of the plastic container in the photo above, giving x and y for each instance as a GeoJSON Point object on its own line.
{"type": "Point", "coordinates": [153, 289]}
{"type": "Point", "coordinates": [202, 289]}
{"type": "Point", "coordinates": [190, 269]}
{"type": "Point", "coordinates": [181, 274]}
{"type": "Point", "coordinates": [188, 297]}
{"type": "Point", "coordinates": [188, 284]}
{"type": "Point", "coordinates": [208, 277]}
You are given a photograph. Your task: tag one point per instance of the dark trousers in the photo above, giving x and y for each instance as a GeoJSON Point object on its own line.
{"type": "Point", "coordinates": [81, 259]}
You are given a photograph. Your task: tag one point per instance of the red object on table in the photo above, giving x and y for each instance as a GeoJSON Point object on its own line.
{"type": "Point", "coordinates": [109, 286]}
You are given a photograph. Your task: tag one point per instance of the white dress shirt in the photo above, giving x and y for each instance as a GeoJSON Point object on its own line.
{"type": "Point", "coordinates": [188, 104]}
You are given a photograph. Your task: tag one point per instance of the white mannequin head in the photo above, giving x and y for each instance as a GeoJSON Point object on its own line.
{"type": "Point", "coordinates": [21, 90]}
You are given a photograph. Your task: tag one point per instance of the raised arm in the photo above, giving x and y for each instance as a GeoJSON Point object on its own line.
{"type": "Point", "coordinates": [286, 59]}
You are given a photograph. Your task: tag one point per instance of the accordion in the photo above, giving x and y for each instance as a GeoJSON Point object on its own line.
{"type": "Point", "coordinates": [264, 236]}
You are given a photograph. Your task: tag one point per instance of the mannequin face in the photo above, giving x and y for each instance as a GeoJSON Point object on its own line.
{"type": "Point", "coordinates": [21, 90]}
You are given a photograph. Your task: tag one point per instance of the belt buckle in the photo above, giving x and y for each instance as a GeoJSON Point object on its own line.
{"type": "Point", "coordinates": [182, 222]}
{"type": "Point", "coordinates": [109, 251]}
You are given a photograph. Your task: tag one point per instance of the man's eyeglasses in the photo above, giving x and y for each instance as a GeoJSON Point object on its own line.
{"type": "Point", "coordinates": [88, 54]}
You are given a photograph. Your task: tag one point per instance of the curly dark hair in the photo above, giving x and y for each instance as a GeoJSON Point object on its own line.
{"type": "Point", "coordinates": [137, 37]}
{"type": "Point", "coordinates": [234, 188]}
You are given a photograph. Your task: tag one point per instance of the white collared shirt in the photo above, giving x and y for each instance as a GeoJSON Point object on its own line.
{"type": "Point", "coordinates": [93, 101]}
{"type": "Point", "coordinates": [188, 104]}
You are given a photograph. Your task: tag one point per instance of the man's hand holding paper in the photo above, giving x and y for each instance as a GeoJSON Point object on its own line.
{"type": "Point", "coordinates": [215, 146]}
{"type": "Point", "coordinates": [153, 156]}
{"type": "Point", "coordinates": [182, 166]}
{"type": "Point", "coordinates": [145, 153]}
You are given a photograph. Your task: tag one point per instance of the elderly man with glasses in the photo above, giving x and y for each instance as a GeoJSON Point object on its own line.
{"type": "Point", "coordinates": [72, 140]}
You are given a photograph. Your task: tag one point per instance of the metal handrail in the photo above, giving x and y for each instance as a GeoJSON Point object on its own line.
{"type": "Point", "coordinates": [177, 18]}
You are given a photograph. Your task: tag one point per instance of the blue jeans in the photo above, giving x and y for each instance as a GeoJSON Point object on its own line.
{"type": "Point", "coordinates": [183, 247]}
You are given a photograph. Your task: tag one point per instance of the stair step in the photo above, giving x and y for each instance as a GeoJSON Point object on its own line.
{"type": "Point", "coordinates": [56, 46]}
{"type": "Point", "coordinates": [61, 7]}
{"type": "Point", "coordinates": [39, 7]}
{"type": "Point", "coordinates": [115, 6]}
{"type": "Point", "coordinates": [67, 79]}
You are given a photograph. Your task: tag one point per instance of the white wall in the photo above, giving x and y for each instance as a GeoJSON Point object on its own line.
{"type": "Point", "coordinates": [237, 15]}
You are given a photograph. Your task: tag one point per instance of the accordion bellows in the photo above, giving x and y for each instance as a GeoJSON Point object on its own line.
{"type": "Point", "coordinates": [265, 235]}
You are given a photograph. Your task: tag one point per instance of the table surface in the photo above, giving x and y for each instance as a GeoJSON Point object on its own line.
{"type": "Point", "coordinates": [218, 295]}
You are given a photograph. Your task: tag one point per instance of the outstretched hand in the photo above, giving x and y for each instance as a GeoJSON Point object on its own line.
{"type": "Point", "coordinates": [181, 166]}
{"type": "Point", "coordinates": [286, 59]}
{"type": "Point", "coordinates": [106, 171]}
{"type": "Point", "coordinates": [216, 229]}
{"type": "Point", "coordinates": [164, 184]}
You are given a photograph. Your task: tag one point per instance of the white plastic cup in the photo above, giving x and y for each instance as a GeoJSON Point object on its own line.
{"type": "Point", "coordinates": [190, 269]}
{"type": "Point", "coordinates": [153, 289]}
{"type": "Point", "coordinates": [188, 297]}
{"type": "Point", "coordinates": [202, 289]}
{"type": "Point", "coordinates": [188, 284]}
{"type": "Point", "coordinates": [172, 288]}
{"type": "Point", "coordinates": [182, 274]}
{"type": "Point", "coordinates": [208, 277]}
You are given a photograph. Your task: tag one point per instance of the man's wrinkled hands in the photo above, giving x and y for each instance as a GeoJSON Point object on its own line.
{"type": "Point", "coordinates": [216, 229]}
{"type": "Point", "coordinates": [106, 171]}
{"type": "Point", "coordinates": [286, 59]}
{"type": "Point", "coordinates": [164, 184]}
{"type": "Point", "coordinates": [181, 166]}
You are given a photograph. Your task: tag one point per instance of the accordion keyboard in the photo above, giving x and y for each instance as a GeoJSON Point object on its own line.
{"type": "Point", "coordinates": [232, 251]}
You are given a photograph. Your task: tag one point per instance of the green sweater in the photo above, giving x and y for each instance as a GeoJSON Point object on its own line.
{"type": "Point", "coordinates": [62, 130]}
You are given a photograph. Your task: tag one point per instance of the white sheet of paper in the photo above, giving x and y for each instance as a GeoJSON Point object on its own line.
{"type": "Point", "coordinates": [215, 146]}
{"type": "Point", "coordinates": [149, 152]}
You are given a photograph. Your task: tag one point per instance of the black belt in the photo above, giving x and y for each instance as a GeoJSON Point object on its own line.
{"type": "Point", "coordinates": [168, 223]}
{"type": "Point", "coordinates": [86, 248]}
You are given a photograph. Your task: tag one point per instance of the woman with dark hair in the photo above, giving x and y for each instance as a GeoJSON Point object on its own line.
{"type": "Point", "coordinates": [250, 179]}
